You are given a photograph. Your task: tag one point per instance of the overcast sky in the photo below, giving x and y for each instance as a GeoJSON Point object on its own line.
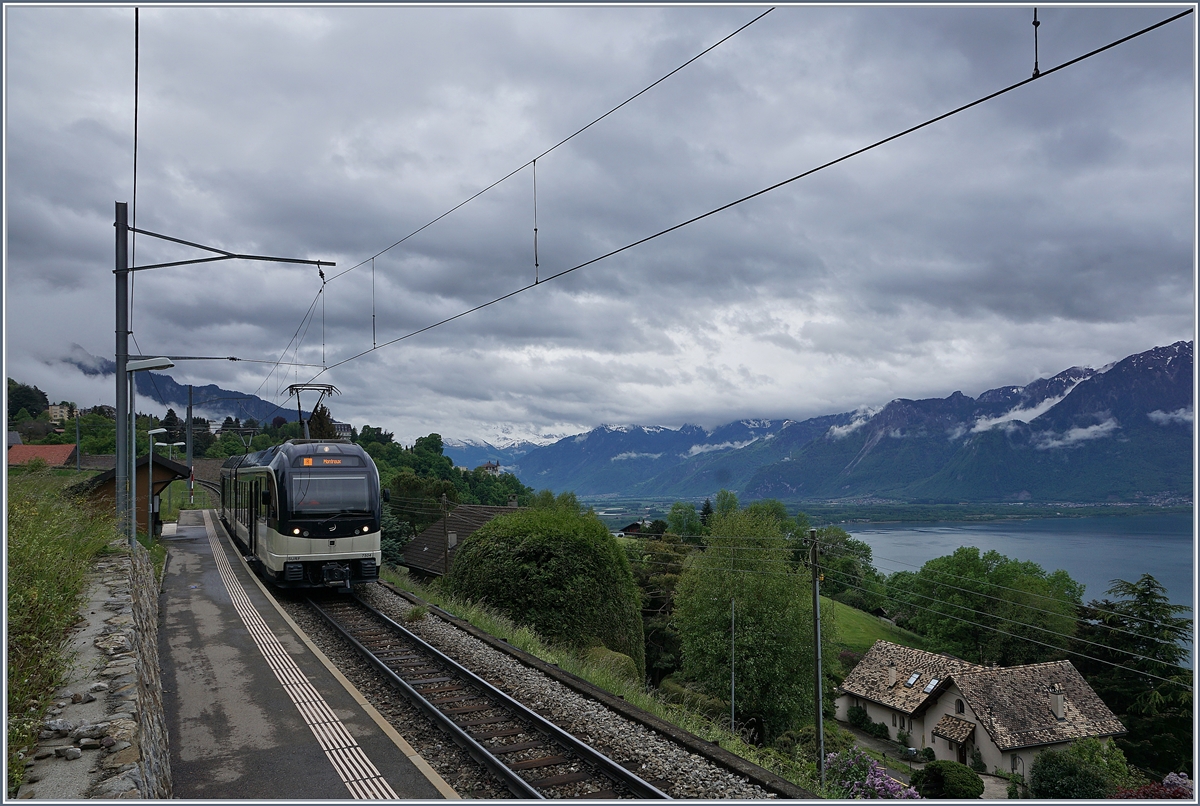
{"type": "Point", "coordinates": [1053, 226]}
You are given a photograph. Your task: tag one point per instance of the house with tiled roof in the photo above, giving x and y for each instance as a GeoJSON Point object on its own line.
{"type": "Point", "coordinates": [431, 551]}
{"type": "Point", "coordinates": [1010, 713]}
{"type": "Point", "coordinates": [52, 455]}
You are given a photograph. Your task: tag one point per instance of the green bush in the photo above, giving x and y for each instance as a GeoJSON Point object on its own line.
{"type": "Point", "coordinates": [857, 716]}
{"type": "Point", "coordinates": [1058, 774]}
{"type": "Point", "coordinates": [616, 662]}
{"type": "Point", "coordinates": [947, 779]}
{"type": "Point", "coordinates": [977, 761]}
{"type": "Point", "coordinates": [927, 754]}
{"type": "Point", "coordinates": [802, 744]}
{"type": "Point", "coordinates": [557, 571]}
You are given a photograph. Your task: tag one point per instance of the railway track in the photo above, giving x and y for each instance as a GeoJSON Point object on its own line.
{"type": "Point", "coordinates": [533, 757]}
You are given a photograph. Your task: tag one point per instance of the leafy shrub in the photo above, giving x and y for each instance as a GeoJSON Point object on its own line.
{"type": "Point", "coordinates": [558, 571]}
{"type": "Point", "coordinates": [928, 754]}
{"type": "Point", "coordinates": [977, 761]}
{"type": "Point", "coordinates": [947, 779]}
{"type": "Point", "coordinates": [1108, 757]}
{"type": "Point", "coordinates": [857, 716]}
{"type": "Point", "coordinates": [1058, 774]}
{"type": "Point", "coordinates": [902, 738]}
{"type": "Point", "coordinates": [416, 613]}
{"type": "Point", "coordinates": [849, 659]}
{"type": "Point", "coordinates": [616, 662]}
{"type": "Point", "coordinates": [879, 730]}
{"type": "Point", "coordinates": [858, 775]}
{"type": "Point", "coordinates": [1013, 791]}
{"type": "Point", "coordinates": [1174, 786]}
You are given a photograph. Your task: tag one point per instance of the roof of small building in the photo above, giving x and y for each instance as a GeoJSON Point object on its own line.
{"type": "Point", "coordinates": [870, 679]}
{"type": "Point", "coordinates": [427, 551]}
{"type": "Point", "coordinates": [1012, 703]}
{"type": "Point", "coordinates": [53, 455]}
{"type": "Point", "coordinates": [954, 729]}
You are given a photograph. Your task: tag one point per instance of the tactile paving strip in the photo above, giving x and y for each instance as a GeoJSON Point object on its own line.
{"type": "Point", "coordinates": [352, 765]}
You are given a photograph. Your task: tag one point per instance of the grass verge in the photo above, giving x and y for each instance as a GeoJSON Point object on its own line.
{"type": "Point", "coordinates": [52, 540]}
{"type": "Point", "coordinates": [858, 631]}
{"type": "Point", "coordinates": [803, 774]}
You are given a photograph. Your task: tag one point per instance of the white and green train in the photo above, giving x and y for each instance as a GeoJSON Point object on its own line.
{"type": "Point", "coordinates": [307, 512]}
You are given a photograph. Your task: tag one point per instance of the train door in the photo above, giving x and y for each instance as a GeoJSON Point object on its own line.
{"type": "Point", "coordinates": [254, 506]}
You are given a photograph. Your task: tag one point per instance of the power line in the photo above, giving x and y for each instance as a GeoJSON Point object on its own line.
{"type": "Point", "coordinates": [556, 145]}
{"type": "Point", "coordinates": [973, 624]}
{"type": "Point", "coordinates": [756, 194]}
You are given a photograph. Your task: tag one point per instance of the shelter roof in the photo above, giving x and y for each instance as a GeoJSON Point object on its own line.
{"type": "Point", "coordinates": [53, 455]}
{"type": "Point", "coordinates": [427, 551]}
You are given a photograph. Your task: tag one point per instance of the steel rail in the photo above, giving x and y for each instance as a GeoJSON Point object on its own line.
{"type": "Point", "coordinates": [519, 786]}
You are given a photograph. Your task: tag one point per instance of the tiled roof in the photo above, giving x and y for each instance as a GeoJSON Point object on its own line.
{"type": "Point", "coordinates": [427, 552]}
{"type": "Point", "coordinates": [53, 455]}
{"type": "Point", "coordinates": [1013, 704]}
{"type": "Point", "coordinates": [870, 678]}
{"type": "Point", "coordinates": [953, 728]}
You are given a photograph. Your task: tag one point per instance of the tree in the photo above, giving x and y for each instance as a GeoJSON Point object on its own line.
{"type": "Point", "coordinates": [850, 574]}
{"type": "Point", "coordinates": [706, 512]}
{"type": "Point", "coordinates": [171, 422]}
{"type": "Point", "coordinates": [988, 608]}
{"type": "Point", "coordinates": [947, 779]}
{"type": "Point", "coordinates": [1138, 670]}
{"type": "Point", "coordinates": [560, 573]}
{"type": "Point", "coordinates": [1058, 774]}
{"type": "Point", "coordinates": [748, 562]}
{"type": "Point", "coordinates": [30, 398]}
{"type": "Point", "coordinates": [682, 520]}
{"type": "Point", "coordinates": [320, 424]}
{"type": "Point", "coordinates": [727, 503]}
{"type": "Point", "coordinates": [278, 421]}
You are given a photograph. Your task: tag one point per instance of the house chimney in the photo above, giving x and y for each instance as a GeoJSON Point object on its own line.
{"type": "Point", "coordinates": [1058, 702]}
{"type": "Point", "coordinates": [891, 674]}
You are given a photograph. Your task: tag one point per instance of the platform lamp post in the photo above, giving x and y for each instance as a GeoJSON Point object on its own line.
{"type": "Point", "coordinates": [152, 433]}
{"type": "Point", "coordinates": [124, 489]}
{"type": "Point", "coordinates": [127, 444]}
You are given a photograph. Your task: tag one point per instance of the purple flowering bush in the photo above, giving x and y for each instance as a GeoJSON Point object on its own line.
{"type": "Point", "coordinates": [1174, 786]}
{"type": "Point", "coordinates": [859, 776]}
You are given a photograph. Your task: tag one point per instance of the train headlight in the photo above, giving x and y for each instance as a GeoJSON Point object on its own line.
{"type": "Point", "coordinates": [295, 531]}
{"type": "Point", "coordinates": [366, 529]}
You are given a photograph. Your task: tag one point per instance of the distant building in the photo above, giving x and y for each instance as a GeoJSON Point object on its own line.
{"type": "Point", "coordinates": [491, 467]}
{"type": "Point", "coordinates": [341, 429]}
{"type": "Point", "coordinates": [59, 414]}
{"type": "Point", "coordinates": [14, 439]}
{"type": "Point", "coordinates": [429, 551]}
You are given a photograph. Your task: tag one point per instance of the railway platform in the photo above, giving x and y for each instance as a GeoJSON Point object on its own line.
{"type": "Point", "coordinates": [253, 711]}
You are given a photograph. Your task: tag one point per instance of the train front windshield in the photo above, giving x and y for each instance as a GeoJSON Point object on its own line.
{"type": "Point", "coordinates": [312, 495]}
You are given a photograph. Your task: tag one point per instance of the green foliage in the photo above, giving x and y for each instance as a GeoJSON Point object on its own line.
{"type": "Point", "coordinates": [657, 566]}
{"type": "Point", "coordinates": [320, 424]}
{"type": "Point", "coordinates": [684, 521]}
{"type": "Point", "coordinates": [394, 536]}
{"type": "Point", "coordinates": [616, 663]}
{"type": "Point", "coordinates": [1059, 774]}
{"type": "Point", "coordinates": [1106, 756]}
{"type": "Point", "coordinates": [858, 717]}
{"type": "Point", "coordinates": [850, 575]}
{"type": "Point", "coordinates": [748, 561]}
{"type": "Point", "coordinates": [558, 571]}
{"type": "Point", "coordinates": [928, 754]}
{"type": "Point", "coordinates": [706, 512]}
{"type": "Point", "coordinates": [947, 779]}
{"type": "Point", "coordinates": [727, 504]}
{"type": "Point", "coordinates": [1157, 713]}
{"type": "Point", "coordinates": [802, 743]}
{"type": "Point", "coordinates": [51, 541]}
{"type": "Point", "coordinates": [29, 398]}
{"type": "Point", "coordinates": [985, 607]}
{"type": "Point", "coordinates": [977, 761]}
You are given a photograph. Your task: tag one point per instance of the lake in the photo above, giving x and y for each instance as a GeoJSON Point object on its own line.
{"type": "Point", "coordinates": [1092, 550]}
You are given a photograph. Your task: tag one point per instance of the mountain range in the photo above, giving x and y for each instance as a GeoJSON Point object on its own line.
{"type": "Point", "coordinates": [1122, 433]}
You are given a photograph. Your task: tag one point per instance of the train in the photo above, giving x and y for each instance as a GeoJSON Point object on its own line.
{"type": "Point", "coordinates": [306, 513]}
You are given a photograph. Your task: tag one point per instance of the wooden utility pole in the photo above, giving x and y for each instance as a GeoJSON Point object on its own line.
{"type": "Point", "coordinates": [816, 587]}
{"type": "Point", "coordinates": [445, 539]}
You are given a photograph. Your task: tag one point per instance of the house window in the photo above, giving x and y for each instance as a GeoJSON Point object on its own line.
{"type": "Point", "coordinates": [933, 739]}
{"type": "Point", "coordinates": [959, 707]}
{"type": "Point", "coordinates": [893, 720]}
{"type": "Point", "coordinates": [913, 679]}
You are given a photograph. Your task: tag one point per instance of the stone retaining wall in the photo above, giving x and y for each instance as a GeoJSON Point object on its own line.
{"type": "Point", "coordinates": [106, 735]}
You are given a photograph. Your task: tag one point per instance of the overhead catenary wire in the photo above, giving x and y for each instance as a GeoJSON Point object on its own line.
{"type": "Point", "coordinates": [976, 624]}
{"type": "Point", "coordinates": [753, 195]}
{"type": "Point", "coordinates": [561, 142]}
{"type": "Point", "coordinates": [830, 549]}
